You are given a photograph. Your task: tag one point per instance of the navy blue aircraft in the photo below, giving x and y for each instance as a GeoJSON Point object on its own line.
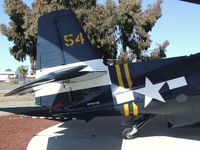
{"type": "Point", "coordinates": [73, 81]}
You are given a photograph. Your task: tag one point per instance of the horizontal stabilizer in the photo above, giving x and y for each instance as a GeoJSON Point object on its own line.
{"type": "Point", "coordinates": [63, 74]}
{"type": "Point", "coordinates": [89, 75]}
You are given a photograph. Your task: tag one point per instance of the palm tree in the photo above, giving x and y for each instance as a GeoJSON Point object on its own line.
{"type": "Point", "coordinates": [22, 72]}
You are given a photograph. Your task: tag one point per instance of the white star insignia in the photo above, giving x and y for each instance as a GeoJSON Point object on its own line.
{"type": "Point", "coordinates": [151, 91]}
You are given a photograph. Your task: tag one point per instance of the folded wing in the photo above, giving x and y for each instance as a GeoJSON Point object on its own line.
{"type": "Point", "coordinates": [67, 75]}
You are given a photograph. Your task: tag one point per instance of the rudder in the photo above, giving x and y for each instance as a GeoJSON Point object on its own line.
{"type": "Point", "coordinates": [61, 40]}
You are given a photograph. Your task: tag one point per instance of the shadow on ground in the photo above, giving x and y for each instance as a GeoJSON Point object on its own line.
{"type": "Point", "coordinates": [105, 133]}
{"type": "Point", "coordinates": [158, 127]}
{"type": "Point", "coordinates": [99, 134]}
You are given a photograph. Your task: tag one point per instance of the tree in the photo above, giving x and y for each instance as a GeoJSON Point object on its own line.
{"type": "Point", "coordinates": [22, 72]}
{"type": "Point", "coordinates": [8, 69]}
{"type": "Point", "coordinates": [16, 32]}
{"type": "Point", "coordinates": [159, 52]}
{"type": "Point", "coordinates": [135, 25]}
{"type": "Point", "coordinates": [110, 27]}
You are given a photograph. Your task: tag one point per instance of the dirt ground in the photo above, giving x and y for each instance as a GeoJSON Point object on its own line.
{"type": "Point", "coordinates": [15, 130]}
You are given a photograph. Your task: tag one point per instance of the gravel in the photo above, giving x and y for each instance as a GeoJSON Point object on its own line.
{"type": "Point", "coordinates": [17, 131]}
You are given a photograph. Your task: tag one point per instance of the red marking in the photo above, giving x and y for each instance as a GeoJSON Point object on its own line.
{"type": "Point", "coordinates": [58, 105]}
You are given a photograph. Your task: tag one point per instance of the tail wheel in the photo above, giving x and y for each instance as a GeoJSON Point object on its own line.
{"type": "Point", "coordinates": [126, 133]}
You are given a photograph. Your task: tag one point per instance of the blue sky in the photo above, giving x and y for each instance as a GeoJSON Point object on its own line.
{"type": "Point", "coordinates": [179, 24]}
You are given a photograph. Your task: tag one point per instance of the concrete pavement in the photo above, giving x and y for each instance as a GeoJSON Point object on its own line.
{"type": "Point", "coordinates": [105, 134]}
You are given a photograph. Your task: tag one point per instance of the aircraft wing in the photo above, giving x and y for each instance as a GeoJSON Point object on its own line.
{"type": "Point", "coordinates": [192, 1]}
{"type": "Point", "coordinates": [59, 75]}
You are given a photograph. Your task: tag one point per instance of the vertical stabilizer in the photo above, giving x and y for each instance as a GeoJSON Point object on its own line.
{"type": "Point", "coordinates": [61, 40]}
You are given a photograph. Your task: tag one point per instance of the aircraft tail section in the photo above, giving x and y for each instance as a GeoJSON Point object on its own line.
{"type": "Point", "coordinates": [63, 44]}
{"type": "Point", "coordinates": [68, 68]}
{"type": "Point", "coordinates": [61, 40]}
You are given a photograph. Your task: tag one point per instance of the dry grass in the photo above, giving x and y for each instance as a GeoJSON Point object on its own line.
{"type": "Point", "coordinates": [26, 97]}
{"type": "Point", "coordinates": [7, 84]}
{"type": "Point", "coordinates": [27, 100]}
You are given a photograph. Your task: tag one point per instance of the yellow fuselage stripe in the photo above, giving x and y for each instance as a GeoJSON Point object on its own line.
{"type": "Point", "coordinates": [128, 77]}
{"type": "Point", "coordinates": [135, 109]}
{"type": "Point", "coordinates": [126, 110]}
{"type": "Point", "coordinates": [130, 83]}
{"type": "Point", "coordinates": [119, 76]}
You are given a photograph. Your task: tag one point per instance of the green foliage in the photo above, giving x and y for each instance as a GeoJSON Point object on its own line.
{"type": "Point", "coordinates": [110, 27]}
{"type": "Point", "coordinates": [125, 57]}
{"type": "Point", "coordinates": [156, 53]}
{"type": "Point", "coordinates": [159, 52]}
{"type": "Point", "coordinates": [99, 24]}
{"type": "Point", "coordinates": [8, 69]}
{"type": "Point", "coordinates": [15, 31]}
{"type": "Point", "coordinates": [136, 24]}
{"type": "Point", "coordinates": [22, 70]}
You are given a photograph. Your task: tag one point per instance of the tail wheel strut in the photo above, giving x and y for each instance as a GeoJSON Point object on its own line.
{"type": "Point", "coordinates": [128, 133]}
